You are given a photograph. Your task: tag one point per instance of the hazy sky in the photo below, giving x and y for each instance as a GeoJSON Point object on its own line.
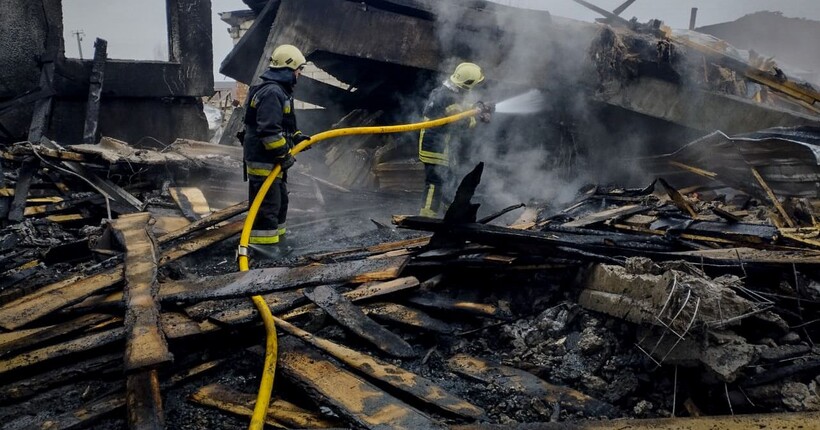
{"type": "Point", "coordinates": [137, 29]}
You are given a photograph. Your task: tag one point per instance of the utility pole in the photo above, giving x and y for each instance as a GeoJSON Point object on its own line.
{"type": "Point", "coordinates": [693, 18]}
{"type": "Point", "coordinates": [79, 34]}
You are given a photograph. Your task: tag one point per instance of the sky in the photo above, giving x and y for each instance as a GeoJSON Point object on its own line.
{"type": "Point", "coordinates": [138, 29]}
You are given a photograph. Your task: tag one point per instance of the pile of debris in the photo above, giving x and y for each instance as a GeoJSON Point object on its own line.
{"type": "Point", "coordinates": [628, 303]}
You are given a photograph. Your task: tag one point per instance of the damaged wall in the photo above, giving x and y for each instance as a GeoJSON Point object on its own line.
{"type": "Point", "coordinates": [140, 98]}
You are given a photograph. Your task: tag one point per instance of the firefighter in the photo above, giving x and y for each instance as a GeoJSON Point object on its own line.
{"type": "Point", "coordinates": [437, 144]}
{"type": "Point", "coordinates": [270, 133]}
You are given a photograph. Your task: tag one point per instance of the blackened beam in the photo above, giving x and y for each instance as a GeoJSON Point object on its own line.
{"type": "Point", "coordinates": [37, 129]}
{"type": "Point", "coordinates": [95, 87]}
{"type": "Point", "coordinates": [24, 176]}
{"type": "Point", "coordinates": [607, 246]}
{"type": "Point", "coordinates": [351, 317]}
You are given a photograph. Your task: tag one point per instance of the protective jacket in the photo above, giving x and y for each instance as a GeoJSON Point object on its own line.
{"type": "Point", "coordinates": [434, 143]}
{"type": "Point", "coordinates": [270, 123]}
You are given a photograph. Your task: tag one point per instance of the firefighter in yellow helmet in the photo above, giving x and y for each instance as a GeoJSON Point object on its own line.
{"type": "Point", "coordinates": [435, 144]}
{"type": "Point", "coordinates": [270, 133]}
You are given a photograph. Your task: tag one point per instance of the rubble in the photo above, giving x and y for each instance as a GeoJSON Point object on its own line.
{"type": "Point", "coordinates": [689, 302]}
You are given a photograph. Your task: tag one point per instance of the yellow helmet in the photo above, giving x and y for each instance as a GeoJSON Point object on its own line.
{"type": "Point", "coordinates": [467, 75]}
{"type": "Point", "coordinates": [287, 56]}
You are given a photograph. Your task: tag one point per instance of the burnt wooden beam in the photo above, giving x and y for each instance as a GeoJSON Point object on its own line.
{"type": "Point", "coordinates": [400, 379]}
{"type": "Point", "coordinates": [73, 290]}
{"type": "Point", "coordinates": [406, 316]}
{"type": "Point", "coordinates": [145, 345]}
{"type": "Point", "coordinates": [24, 177]}
{"type": "Point", "coordinates": [37, 129]}
{"type": "Point", "coordinates": [261, 281]}
{"type": "Point", "coordinates": [143, 401]}
{"type": "Point", "coordinates": [280, 412]}
{"type": "Point", "coordinates": [353, 398]}
{"type": "Point", "coordinates": [530, 385]}
{"type": "Point", "coordinates": [95, 87]}
{"type": "Point", "coordinates": [58, 351]}
{"type": "Point", "coordinates": [446, 304]}
{"type": "Point", "coordinates": [352, 318]}
{"type": "Point", "coordinates": [14, 341]}
{"type": "Point", "coordinates": [28, 387]}
{"type": "Point", "coordinates": [241, 310]}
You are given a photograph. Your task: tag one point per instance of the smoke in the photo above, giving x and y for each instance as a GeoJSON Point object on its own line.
{"type": "Point", "coordinates": [553, 140]}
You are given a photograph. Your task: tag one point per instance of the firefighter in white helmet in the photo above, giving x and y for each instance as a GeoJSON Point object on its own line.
{"type": "Point", "coordinates": [435, 144]}
{"type": "Point", "coordinates": [270, 133]}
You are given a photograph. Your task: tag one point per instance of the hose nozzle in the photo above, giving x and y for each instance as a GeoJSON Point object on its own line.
{"type": "Point", "coordinates": [485, 108]}
{"type": "Point", "coordinates": [485, 111]}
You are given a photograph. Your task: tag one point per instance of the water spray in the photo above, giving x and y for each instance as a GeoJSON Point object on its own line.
{"type": "Point", "coordinates": [530, 102]}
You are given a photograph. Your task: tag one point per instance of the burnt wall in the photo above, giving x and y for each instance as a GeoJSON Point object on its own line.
{"type": "Point", "coordinates": [132, 120]}
{"type": "Point", "coordinates": [140, 98]}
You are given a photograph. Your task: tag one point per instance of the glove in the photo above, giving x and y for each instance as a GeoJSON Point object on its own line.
{"type": "Point", "coordinates": [287, 161]}
{"type": "Point", "coordinates": [299, 138]}
{"type": "Point", "coordinates": [484, 117]}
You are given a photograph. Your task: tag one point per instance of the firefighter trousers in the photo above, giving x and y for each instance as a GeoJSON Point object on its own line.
{"type": "Point", "coordinates": [270, 221]}
{"type": "Point", "coordinates": [438, 190]}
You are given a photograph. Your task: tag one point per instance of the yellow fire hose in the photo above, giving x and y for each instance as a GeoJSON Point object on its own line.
{"type": "Point", "coordinates": [260, 410]}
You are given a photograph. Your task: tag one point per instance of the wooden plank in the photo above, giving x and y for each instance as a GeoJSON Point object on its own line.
{"type": "Point", "coordinates": [407, 382]}
{"type": "Point", "coordinates": [408, 317]}
{"type": "Point", "coordinates": [28, 387]}
{"type": "Point", "coordinates": [348, 395]}
{"type": "Point", "coordinates": [281, 414]}
{"type": "Point", "coordinates": [166, 224]}
{"type": "Point", "coordinates": [530, 385]}
{"type": "Point", "coordinates": [191, 202]}
{"type": "Point", "coordinates": [95, 87]}
{"type": "Point", "coordinates": [65, 205]}
{"type": "Point", "coordinates": [441, 303]}
{"type": "Point", "coordinates": [371, 250]}
{"type": "Point", "coordinates": [265, 281]}
{"type": "Point", "coordinates": [364, 292]}
{"type": "Point", "coordinates": [261, 281]}
{"type": "Point", "coordinates": [606, 215]}
{"type": "Point", "coordinates": [61, 350]}
{"type": "Point", "coordinates": [145, 342]}
{"type": "Point", "coordinates": [241, 311]}
{"type": "Point", "coordinates": [25, 339]}
{"type": "Point", "coordinates": [143, 401]}
{"type": "Point", "coordinates": [68, 292]}
{"type": "Point", "coordinates": [351, 317]}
